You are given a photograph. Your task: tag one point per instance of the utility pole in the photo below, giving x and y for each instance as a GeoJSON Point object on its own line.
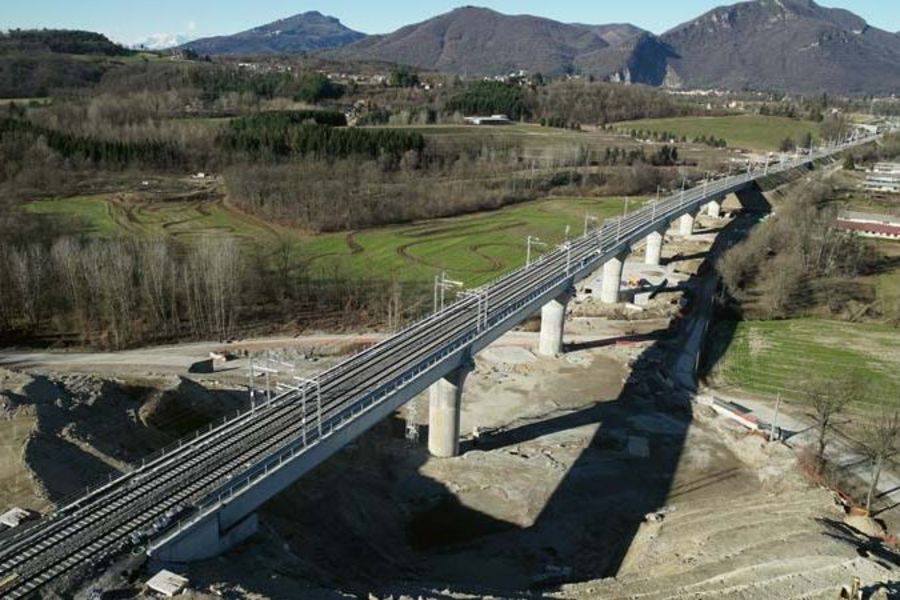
{"type": "Point", "coordinates": [481, 306]}
{"type": "Point", "coordinates": [252, 386]}
{"type": "Point", "coordinates": [529, 242]}
{"type": "Point", "coordinates": [775, 420]}
{"type": "Point", "coordinates": [588, 219]}
{"type": "Point", "coordinates": [441, 285]}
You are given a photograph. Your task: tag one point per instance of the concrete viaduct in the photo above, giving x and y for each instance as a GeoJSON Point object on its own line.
{"type": "Point", "coordinates": [195, 499]}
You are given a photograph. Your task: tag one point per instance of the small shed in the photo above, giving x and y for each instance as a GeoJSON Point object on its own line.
{"type": "Point", "coordinates": [16, 516]}
{"type": "Point", "coordinates": [167, 583]}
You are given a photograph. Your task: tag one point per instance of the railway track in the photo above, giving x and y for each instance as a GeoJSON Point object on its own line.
{"type": "Point", "coordinates": [176, 488]}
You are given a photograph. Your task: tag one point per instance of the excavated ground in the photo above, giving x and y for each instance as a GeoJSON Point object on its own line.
{"type": "Point", "coordinates": [564, 459]}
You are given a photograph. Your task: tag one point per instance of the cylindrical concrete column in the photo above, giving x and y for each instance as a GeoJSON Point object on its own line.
{"type": "Point", "coordinates": [444, 408]}
{"type": "Point", "coordinates": [553, 321]}
{"type": "Point", "coordinates": [686, 224]}
{"type": "Point", "coordinates": [714, 209]}
{"type": "Point", "coordinates": [653, 254]}
{"type": "Point", "coordinates": [612, 280]}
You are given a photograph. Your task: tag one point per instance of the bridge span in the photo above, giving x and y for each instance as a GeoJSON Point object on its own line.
{"type": "Point", "coordinates": [199, 497]}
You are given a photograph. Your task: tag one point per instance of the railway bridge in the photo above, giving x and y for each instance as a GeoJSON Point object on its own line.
{"type": "Point", "coordinates": [197, 498]}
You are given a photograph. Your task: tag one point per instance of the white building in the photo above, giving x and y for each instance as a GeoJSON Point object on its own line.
{"type": "Point", "coordinates": [491, 120]}
{"type": "Point", "coordinates": [884, 177]}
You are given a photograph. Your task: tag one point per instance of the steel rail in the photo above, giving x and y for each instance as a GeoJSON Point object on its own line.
{"type": "Point", "coordinates": [346, 388]}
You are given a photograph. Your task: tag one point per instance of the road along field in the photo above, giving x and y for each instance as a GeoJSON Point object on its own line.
{"type": "Point", "coordinates": [752, 132]}
{"type": "Point", "coordinates": [473, 248]}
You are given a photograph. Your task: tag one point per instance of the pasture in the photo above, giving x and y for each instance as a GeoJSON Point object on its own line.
{"type": "Point", "coordinates": [751, 132]}
{"type": "Point", "coordinates": [781, 357]}
{"type": "Point", "coordinates": [473, 248]}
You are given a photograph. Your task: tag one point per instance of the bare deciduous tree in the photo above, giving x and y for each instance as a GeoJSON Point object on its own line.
{"type": "Point", "coordinates": [880, 440]}
{"type": "Point", "coordinates": [829, 399]}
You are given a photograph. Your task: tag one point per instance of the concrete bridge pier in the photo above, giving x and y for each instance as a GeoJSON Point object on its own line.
{"type": "Point", "coordinates": [686, 223]}
{"type": "Point", "coordinates": [714, 209]}
{"type": "Point", "coordinates": [654, 246]}
{"type": "Point", "coordinates": [444, 409]}
{"type": "Point", "coordinates": [553, 321]}
{"type": "Point", "coordinates": [612, 279]}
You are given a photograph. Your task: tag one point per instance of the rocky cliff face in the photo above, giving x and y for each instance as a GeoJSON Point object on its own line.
{"type": "Point", "coordinates": [784, 44]}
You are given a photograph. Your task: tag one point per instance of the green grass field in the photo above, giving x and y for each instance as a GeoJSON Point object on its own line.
{"type": "Point", "coordinates": [887, 283]}
{"type": "Point", "coordinates": [473, 248]}
{"type": "Point", "coordinates": [753, 132]}
{"type": "Point", "coordinates": [777, 357]}
{"type": "Point", "coordinates": [528, 136]}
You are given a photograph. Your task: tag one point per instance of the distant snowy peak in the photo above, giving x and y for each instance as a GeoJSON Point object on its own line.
{"type": "Point", "coordinates": [162, 41]}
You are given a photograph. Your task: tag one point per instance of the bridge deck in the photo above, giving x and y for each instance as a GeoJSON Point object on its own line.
{"type": "Point", "coordinates": [230, 469]}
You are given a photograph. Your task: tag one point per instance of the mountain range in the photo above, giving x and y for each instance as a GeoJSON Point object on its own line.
{"type": "Point", "coordinates": [785, 44]}
{"type": "Point", "coordinates": [792, 45]}
{"type": "Point", "coordinates": [305, 32]}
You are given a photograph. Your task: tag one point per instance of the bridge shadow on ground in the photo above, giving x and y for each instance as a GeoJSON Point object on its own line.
{"type": "Point", "coordinates": [626, 470]}
{"type": "Point", "coordinates": [370, 520]}
{"type": "Point", "coordinates": [610, 504]}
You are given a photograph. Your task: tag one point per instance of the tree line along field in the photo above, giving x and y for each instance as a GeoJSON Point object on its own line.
{"type": "Point", "coordinates": [779, 357]}
{"type": "Point", "coordinates": [540, 143]}
{"type": "Point", "coordinates": [474, 248]}
{"type": "Point", "coordinates": [753, 132]}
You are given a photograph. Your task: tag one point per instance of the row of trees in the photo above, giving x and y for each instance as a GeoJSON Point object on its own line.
{"type": "Point", "coordinates": [602, 103]}
{"type": "Point", "coordinates": [796, 261]}
{"type": "Point", "coordinates": [109, 153]}
{"type": "Point", "coordinates": [281, 136]}
{"type": "Point", "coordinates": [560, 123]}
{"type": "Point", "coordinates": [665, 156]}
{"type": "Point", "coordinates": [216, 80]}
{"type": "Point", "coordinates": [666, 136]}
{"type": "Point", "coordinates": [118, 292]}
{"type": "Point", "coordinates": [490, 97]}
{"type": "Point", "coordinates": [836, 399]}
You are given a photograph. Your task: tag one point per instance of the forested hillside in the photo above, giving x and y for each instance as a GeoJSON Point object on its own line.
{"type": "Point", "coordinates": [273, 143]}
{"type": "Point", "coordinates": [34, 63]}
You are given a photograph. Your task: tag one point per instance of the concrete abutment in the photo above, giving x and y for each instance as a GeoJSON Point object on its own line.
{"type": "Point", "coordinates": [206, 539]}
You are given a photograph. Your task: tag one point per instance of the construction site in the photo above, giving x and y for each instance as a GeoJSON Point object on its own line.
{"type": "Point", "coordinates": [597, 473]}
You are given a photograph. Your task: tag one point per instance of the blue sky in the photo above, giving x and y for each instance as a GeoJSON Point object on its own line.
{"type": "Point", "coordinates": [134, 20]}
